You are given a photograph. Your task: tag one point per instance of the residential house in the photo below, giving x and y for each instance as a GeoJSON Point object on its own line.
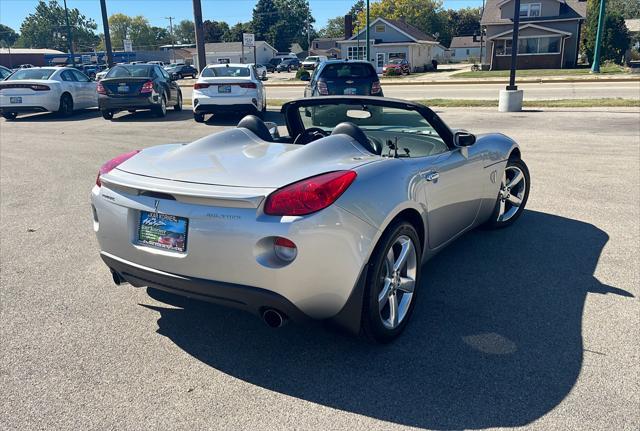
{"type": "Point", "coordinates": [633, 25]}
{"type": "Point", "coordinates": [549, 33]}
{"type": "Point", "coordinates": [465, 48]}
{"type": "Point", "coordinates": [441, 54]}
{"type": "Point", "coordinates": [233, 52]}
{"type": "Point", "coordinates": [327, 46]}
{"type": "Point", "coordinates": [390, 39]}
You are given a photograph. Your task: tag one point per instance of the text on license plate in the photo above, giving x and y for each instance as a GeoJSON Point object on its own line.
{"type": "Point", "coordinates": [163, 231]}
{"type": "Point", "coordinates": [350, 91]}
{"type": "Point", "coordinates": [224, 89]}
{"type": "Point", "coordinates": [123, 88]}
{"type": "Point", "coordinates": [15, 99]}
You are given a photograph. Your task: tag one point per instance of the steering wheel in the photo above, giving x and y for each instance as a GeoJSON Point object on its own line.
{"type": "Point", "coordinates": [309, 135]}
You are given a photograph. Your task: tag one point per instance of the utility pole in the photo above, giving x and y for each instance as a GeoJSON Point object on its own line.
{"type": "Point", "coordinates": [308, 34]}
{"type": "Point", "coordinates": [107, 36]}
{"type": "Point", "coordinates": [514, 47]}
{"type": "Point", "coordinates": [69, 36]}
{"type": "Point", "coordinates": [366, 50]}
{"type": "Point", "coordinates": [595, 68]}
{"type": "Point", "coordinates": [197, 20]}
{"type": "Point", "coordinates": [481, 36]}
{"type": "Point", "coordinates": [173, 41]}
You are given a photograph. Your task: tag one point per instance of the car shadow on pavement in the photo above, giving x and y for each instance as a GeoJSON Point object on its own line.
{"type": "Point", "coordinates": [495, 339]}
{"type": "Point", "coordinates": [83, 114]}
{"type": "Point", "coordinates": [234, 119]}
{"type": "Point", "coordinates": [149, 116]}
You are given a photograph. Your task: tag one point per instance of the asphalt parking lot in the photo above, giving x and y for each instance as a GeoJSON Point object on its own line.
{"type": "Point", "coordinates": [536, 325]}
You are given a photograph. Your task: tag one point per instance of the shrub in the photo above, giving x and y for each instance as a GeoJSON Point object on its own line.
{"type": "Point", "coordinates": [301, 72]}
{"type": "Point", "coordinates": [392, 71]}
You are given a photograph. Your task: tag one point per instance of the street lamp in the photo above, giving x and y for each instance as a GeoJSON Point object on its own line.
{"type": "Point", "coordinates": [510, 99]}
{"type": "Point", "coordinates": [69, 37]}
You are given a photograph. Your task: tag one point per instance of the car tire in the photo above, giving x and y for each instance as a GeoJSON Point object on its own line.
{"type": "Point", "coordinates": [161, 110]}
{"type": "Point", "coordinates": [10, 115]}
{"type": "Point", "coordinates": [512, 196]}
{"type": "Point", "coordinates": [66, 105]}
{"type": "Point", "coordinates": [107, 115]}
{"type": "Point", "coordinates": [179, 75]}
{"type": "Point", "coordinates": [198, 117]}
{"type": "Point", "coordinates": [382, 321]}
{"type": "Point", "coordinates": [178, 106]}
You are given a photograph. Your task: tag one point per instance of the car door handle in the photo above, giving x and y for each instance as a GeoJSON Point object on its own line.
{"type": "Point", "coordinates": [431, 176]}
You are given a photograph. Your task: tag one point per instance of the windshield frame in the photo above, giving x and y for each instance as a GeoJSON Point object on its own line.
{"type": "Point", "coordinates": [27, 70]}
{"type": "Point", "coordinates": [295, 125]}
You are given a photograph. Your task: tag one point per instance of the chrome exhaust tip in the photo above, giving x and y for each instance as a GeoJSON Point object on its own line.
{"type": "Point", "coordinates": [273, 318]}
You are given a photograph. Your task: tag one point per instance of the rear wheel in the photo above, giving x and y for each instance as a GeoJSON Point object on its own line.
{"type": "Point", "coordinates": [161, 110]}
{"type": "Point", "coordinates": [393, 275]}
{"type": "Point", "coordinates": [179, 75]}
{"type": "Point", "coordinates": [198, 117]}
{"type": "Point", "coordinates": [66, 105]}
{"type": "Point", "coordinates": [107, 115]}
{"type": "Point", "coordinates": [10, 115]}
{"type": "Point", "coordinates": [513, 195]}
{"type": "Point", "coordinates": [178, 106]}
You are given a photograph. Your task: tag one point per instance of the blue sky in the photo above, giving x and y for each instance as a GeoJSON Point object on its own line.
{"type": "Point", "coordinates": [12, 12]}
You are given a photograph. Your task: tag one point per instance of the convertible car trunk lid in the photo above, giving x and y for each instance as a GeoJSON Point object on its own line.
{"type": "Point", "coordinates": [237, 158]}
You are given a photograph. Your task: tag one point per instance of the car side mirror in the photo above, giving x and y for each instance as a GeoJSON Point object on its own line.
{"type": "Point", "coordinates": [305, 78]}
{"type": "Point", "coordinates": [273, 129]}
{"type": "Point", "coordinates": [464, 139]}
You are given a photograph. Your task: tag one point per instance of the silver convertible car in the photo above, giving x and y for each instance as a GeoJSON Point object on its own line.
{"type": "Point", "coordinates": [329, 221]}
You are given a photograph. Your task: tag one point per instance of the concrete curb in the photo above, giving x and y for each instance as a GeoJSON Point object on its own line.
{"type": "Point", "coordinates": [477, 82]}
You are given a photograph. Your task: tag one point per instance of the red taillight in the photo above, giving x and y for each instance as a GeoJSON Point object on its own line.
{"type": "Point", "coordinates": [100, 89]}
{"type": "Point", "coordinates": [322, 88]}
{"type": "Point", "coordinates": [111, 164]}
{"type": "Point", "coordinates": [310, 195]}
{"type": "Point", "coordinates": [248, 85]}
{"type": "Point", "coordinates": [198, 86]}
{"type": "Point", "coordinates": [375, 87]}
{"type": "Point", "coordinates": [147, 87]}
{"type": "Point", "coordinates": [39, 87]}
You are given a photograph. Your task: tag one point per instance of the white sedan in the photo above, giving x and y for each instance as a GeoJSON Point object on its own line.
{"type": "Point", "coordinates": [46, 89]}
{"type": "Point", "coordinates": [228, 88]}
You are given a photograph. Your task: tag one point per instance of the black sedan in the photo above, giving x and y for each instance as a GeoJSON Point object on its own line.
{"type": "Point", "coordinates": [183, 70]}
{"type": "Point", "coordinates": [138, 86]}
{"type": "Point", "coordinates": [288, 65]}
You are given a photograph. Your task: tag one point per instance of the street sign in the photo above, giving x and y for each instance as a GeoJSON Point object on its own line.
{"type": "Point", "coordinates": [86, 58]}
{"type": "Point", "coordinates": [128, 46]}
{"type": "Point", "coordinates": [249, 40]}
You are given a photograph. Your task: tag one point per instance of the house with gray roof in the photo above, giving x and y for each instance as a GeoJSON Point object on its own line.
{"type": "Point", "coordinates": [549, 33]}
{"type": "Point", "coordinates": [463, 48]}
{"type": "Point", "coordinates": [391, 39]}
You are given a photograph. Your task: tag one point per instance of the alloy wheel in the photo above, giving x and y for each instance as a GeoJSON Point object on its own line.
{"type": "Point", "coordinates": [512, 190]}
{"type": "Point", "coordinates": [397, 282]}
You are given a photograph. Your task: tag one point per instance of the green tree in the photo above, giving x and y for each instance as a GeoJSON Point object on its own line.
{"type": "Point", "coordinates": [119, 29]}
{"type": "Point", "coordinates": [461, 22]}
{"type": "Point", "coordinates": [185, 32]}
{"type": "Point", "coordinates": [335, 26]}
{"type": "Point", "coordinates": [629, 9]}
{"type": "Point", "coordinates": [214, 31]}
{"type": "Point", "coordinates": [265, 16]}
{"type": "Point", "coordinates": [7, 35]}
{"type": "Point", "coordinates": [46, 28]}
{"type": "Point", "coordinates": [615, 38]}
{"type": "Point", "coordinates": [234, 34]}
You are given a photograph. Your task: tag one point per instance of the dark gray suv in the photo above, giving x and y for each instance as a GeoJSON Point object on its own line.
{"type": "Point", "coordinates": [344, 77]}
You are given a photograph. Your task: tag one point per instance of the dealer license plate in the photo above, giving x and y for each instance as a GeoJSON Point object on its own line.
{"type": "Point", "coordinates": [15, 99]}
{"type": "Point", "coordinates": [224, 89]}
{"type": "Point", "coordinates": [163, 231]}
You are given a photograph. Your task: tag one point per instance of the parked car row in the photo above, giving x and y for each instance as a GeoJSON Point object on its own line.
{"type": "Point", "coordinates": [220, 88]}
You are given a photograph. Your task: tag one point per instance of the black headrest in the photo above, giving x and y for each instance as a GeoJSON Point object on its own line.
{"type": "Point", "coordinates": [350, 129]}
{"type": "Point", "coordinates": [257, 126]}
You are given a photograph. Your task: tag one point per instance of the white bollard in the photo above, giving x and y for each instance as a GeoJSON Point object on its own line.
{"type": "Point", "coordinates": [510, 100]}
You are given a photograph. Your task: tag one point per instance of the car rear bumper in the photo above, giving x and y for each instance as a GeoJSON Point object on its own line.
{"type": "Point", "coordinates": [30, 103]}
{"type": "Point", "coordinates": [233, 246]}
{"type": "Point", "coordinates": [251, 299]}
{"type": "Point", "coordinates": [141, 102]}
{"type": "Point", "coordinates": [19, 109]}
{"type": "Point", "coordinates": [204, 104]}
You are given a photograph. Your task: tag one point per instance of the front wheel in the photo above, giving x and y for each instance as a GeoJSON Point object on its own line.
{"type": "Point", "coordinates": [178, 106]}
{"type": "Point", "coordinates": [198, 117]}
{"type": "Point", "coordinates": [513, 195]}
{"type": "Point", "coordinates": [66, 105]}
{"type": "Point", "coordinates": [392, 277]}
{"type": "Point", "coordinates": [107, 115]}
{"type": "Point", "coordinates": [179, 76]}
{"type": "Point", "coordinates": [10, 115]}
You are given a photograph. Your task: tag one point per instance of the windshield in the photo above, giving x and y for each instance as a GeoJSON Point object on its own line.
{"type": "Point", "coordinates": [387, 126]}
{"type": "Point", "coordinates": [136, 71]}
{"type": "Point", "coordinates": [31, 74]}
{"type": "Point", "coordinates": [226, 71]}
{"type": "Point", "coordinates": [396, 61]}
{"type": "Point", "coordinates": [345, 70]}
{"type": "Point", "coordinates": [311, 59]}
